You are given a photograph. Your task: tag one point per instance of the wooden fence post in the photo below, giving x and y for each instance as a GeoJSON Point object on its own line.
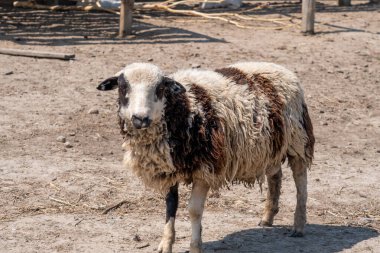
{"type": "Point", "coordinates": [308, 15]}
{"type": "Point", "coordinates": [126, 17]}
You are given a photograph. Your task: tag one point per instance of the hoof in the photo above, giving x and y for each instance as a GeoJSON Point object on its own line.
{"type": "Point", "coordinates": [164, 248]}
{"type": "Point", "coordinates": [296, 234]}
{"type": "Point", "coordinates": [159, 248]}
{"type": "Point", "coordinates": [264, 223]}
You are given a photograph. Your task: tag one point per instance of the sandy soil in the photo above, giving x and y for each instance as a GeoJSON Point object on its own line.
{"type": "Point", "coordinates": [53, 196]}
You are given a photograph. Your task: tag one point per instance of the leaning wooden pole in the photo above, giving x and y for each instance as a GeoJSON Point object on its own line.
{"type": "Point", "coordinates": [308, 15]}
{"type": "Point", "coordinates": [126, 18]}
{"type": "Point", "coordinates": [37, 54]}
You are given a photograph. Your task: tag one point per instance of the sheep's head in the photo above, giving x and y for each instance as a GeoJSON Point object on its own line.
{"type": "Point", "coordinates": [142, 91]}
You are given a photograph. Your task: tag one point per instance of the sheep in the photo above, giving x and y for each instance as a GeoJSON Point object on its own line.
{"type": "Point", "coordinates": [213, 128]}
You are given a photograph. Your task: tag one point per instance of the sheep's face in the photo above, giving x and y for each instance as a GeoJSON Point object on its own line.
{"type": "Point", "coordinates": [142, 92]}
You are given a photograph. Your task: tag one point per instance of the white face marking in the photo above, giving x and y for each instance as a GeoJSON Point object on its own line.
{"type": "Point", "coordinates": [143, 102]}
{"type": "Point", "coordinates": [142, 80]}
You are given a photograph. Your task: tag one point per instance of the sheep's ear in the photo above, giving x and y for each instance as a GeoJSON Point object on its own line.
{"type": "Point", "coordinates": [109, 84]}
{"type": "Point", "coordinates": [174, 86]}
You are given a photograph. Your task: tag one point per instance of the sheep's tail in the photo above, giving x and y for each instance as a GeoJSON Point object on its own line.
{"type": "Point", "coordinates": [308, 127]}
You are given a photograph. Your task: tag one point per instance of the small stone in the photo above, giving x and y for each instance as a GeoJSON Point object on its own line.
{"type": "Point", "coordinates": [68, 145]}
{"type": "Point", "coordinates": [195, 65]}
{"type": "Point", "coordinates": [93, 111]}
{"type": "Point", "coordinates": [321, 111]}
{"type": "Point", "coordinates": [131, 36]}
{"type": "Point", "coordinates": [61, 139]}
{"type": "Point", "coordinates": [72, 134]}
{"type": "Point", "coordinates": [8, 73]}
{"type": "Point", "coordinates": [150, 59]}
{"type": "Point", "coordinates": [137, 238]}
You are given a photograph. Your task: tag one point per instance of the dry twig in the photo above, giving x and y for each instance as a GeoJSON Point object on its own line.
{"type": "Point", "coordinates": [224, 16]}
{"type": "Point", "coordinates": [114, 206]}
{"type": "Point", "coordinates": [191, 13]}
{"type": "Point", "coordinates": [61, 201]}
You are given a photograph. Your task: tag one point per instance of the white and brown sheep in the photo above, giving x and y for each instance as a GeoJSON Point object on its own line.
{"type": "Point", "coordinates": [212, 128]}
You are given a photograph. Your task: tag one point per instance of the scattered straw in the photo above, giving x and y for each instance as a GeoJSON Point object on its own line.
{"type": "Point", "coordinates": [61, 201]}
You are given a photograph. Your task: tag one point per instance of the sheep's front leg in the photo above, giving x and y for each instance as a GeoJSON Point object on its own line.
{"type": "Point", "coordinates": [273, 195]}
{"type": "Point", "coordinates": [196, 206]}
{"type": "Point", "coordinates": [168, 237]}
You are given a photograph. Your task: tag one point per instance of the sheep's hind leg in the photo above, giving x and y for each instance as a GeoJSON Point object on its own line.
{"type": "Point", "coordinates": [273, 196]}
{"type": "Point", "coordinates": [299, 169]}
{"type": "Point", "coordinates": [168, 237]}
{"type": "Point", "coordinates": [196, 206]}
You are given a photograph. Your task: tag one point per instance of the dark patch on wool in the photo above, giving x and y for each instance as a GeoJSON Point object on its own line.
{"type": "Point", "coordinates": [261, 85]}
{"type": "Point", "coordinates": [177, 113]}
{"type": "Point", "coordinates": [308, 126]}
{"type": "Point", "coordinates": [238, 76]}
{"type": "Point", "coordinates": [209, 134]}
{"type": "Point", "coordinates": [196, 143]}
{"type": "Point", "coordinates": [276, 107]}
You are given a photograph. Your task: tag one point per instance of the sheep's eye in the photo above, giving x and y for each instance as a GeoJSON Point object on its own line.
{"type": "Point", "coordinates": [160, 90]}
{"type": "Point", "coordinates": [123, 100]}
{"type": "Point", "coordinates": [123, 94]}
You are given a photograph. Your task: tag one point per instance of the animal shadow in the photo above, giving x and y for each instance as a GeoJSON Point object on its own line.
{"type": "Point", "coordinates": [318, 238]}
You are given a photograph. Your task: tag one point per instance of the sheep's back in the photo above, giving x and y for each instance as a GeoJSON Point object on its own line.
{"type": "Point", "coordinates": [258, 105]}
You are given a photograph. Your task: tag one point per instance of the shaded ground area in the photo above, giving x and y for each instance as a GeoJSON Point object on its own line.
{"type": "Point", "coordinates": [53, 196]}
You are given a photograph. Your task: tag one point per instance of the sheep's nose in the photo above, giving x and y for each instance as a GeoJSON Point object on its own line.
{"type": "Point", "coordinates": [140, 122]}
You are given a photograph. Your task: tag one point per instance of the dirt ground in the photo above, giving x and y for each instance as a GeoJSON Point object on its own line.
{"type": "Point", "coordinates": [52, 195]}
